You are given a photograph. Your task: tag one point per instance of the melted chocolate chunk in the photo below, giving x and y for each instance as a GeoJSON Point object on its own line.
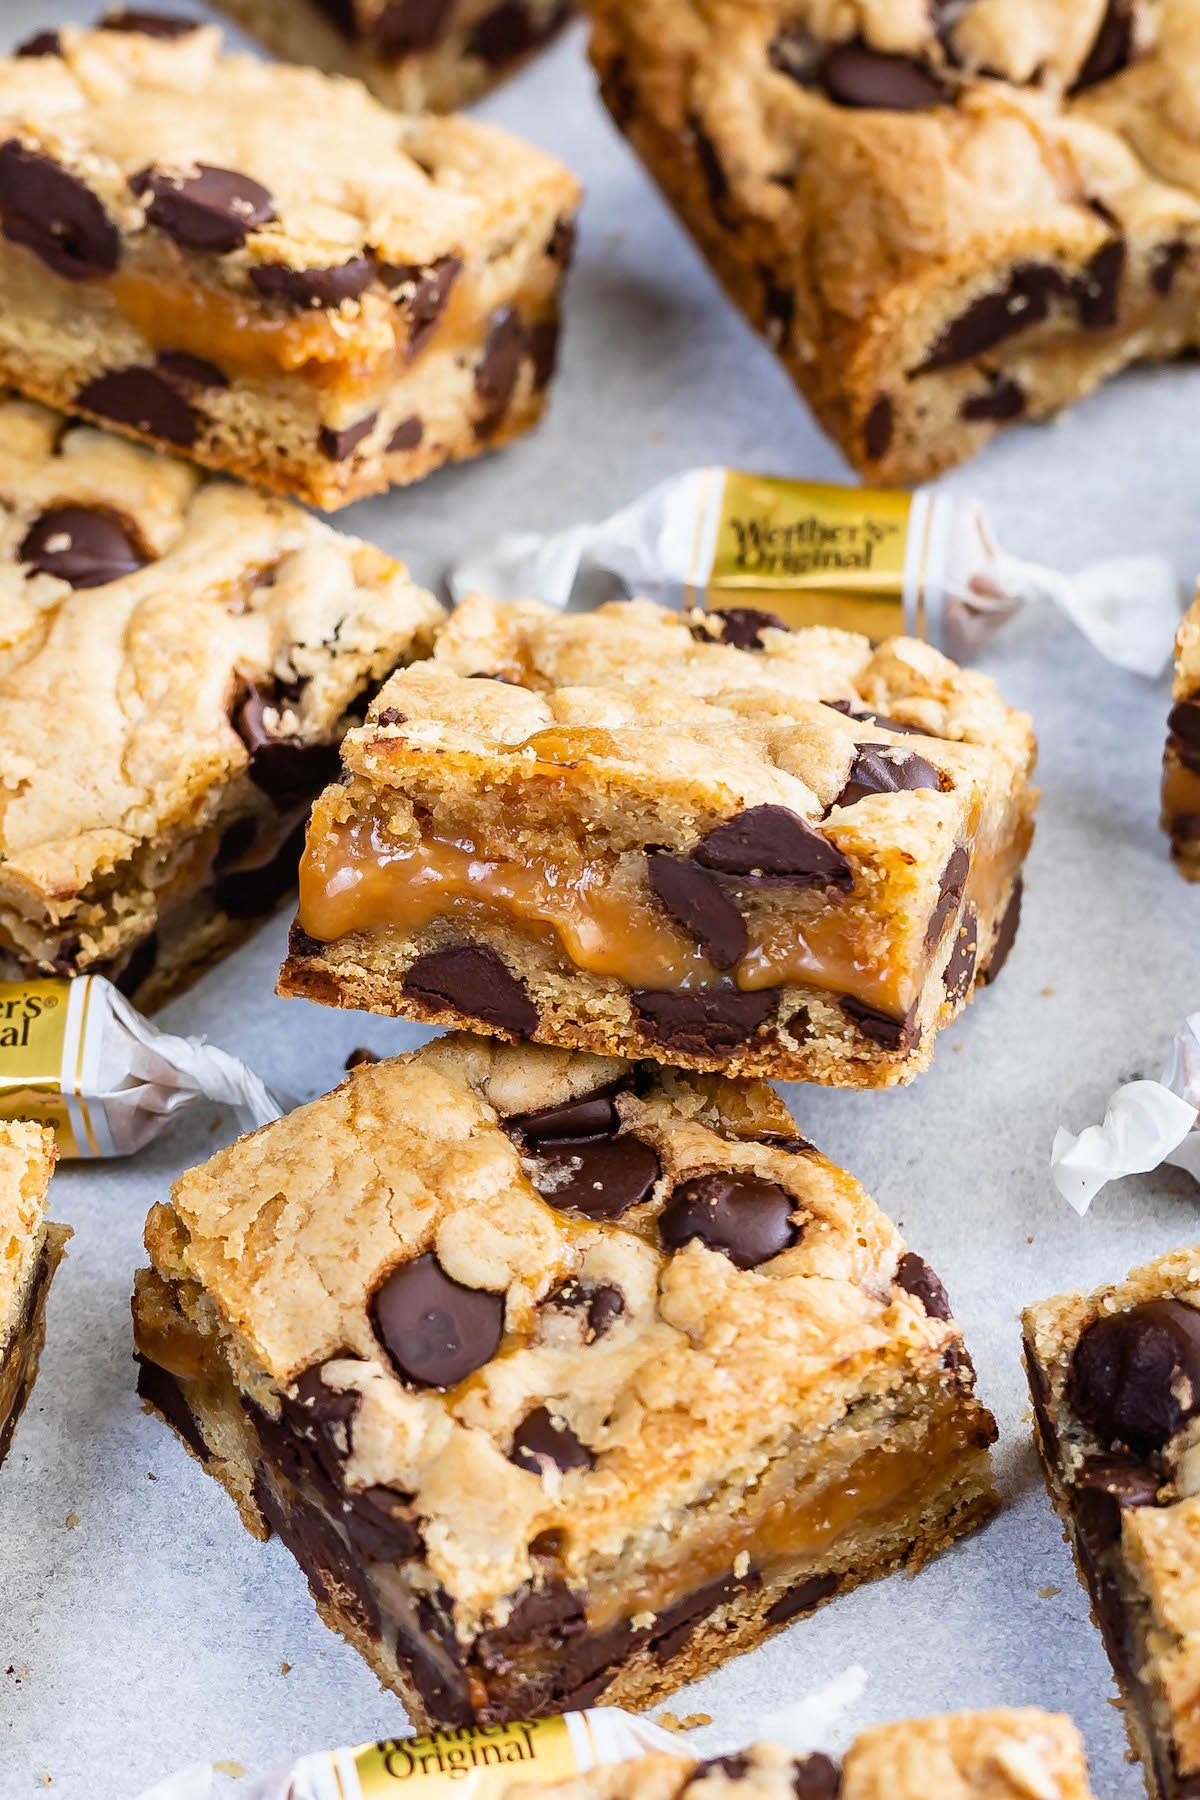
{"type": "Point", "coordinates": [86, 546]}
{"type": "Point", "coordinates": [213, 211]}
{"type": "Point", "coordinates": [190, 371]}
{"type": "Point", "coordinates": [55, 215]}
{"type": "Point", "coordinates": [694, 899]}
{"type": "Point", "coordinates": [540, 1439]}
{"type": "Point", "coordinates": [407, 26]}
{"type": "Point", "coordinates": [883, 769]}
{"type": "Point", "coordinates": [1135, 1375]}
{"type": "Point", "coordinates": [510, 31]}
{"type": "Point", "coordinates": [165, 1393]}
{"type": "Point", "coordinates": [1183, 723]}
{"type": "Point", "coordinates": [855, 75]}
{"type": "Point", "coordinates": [770, 844]}
{"type": "Point", "coordinates": [339, 445]}
{"type": "Point", "coordinates": [747, 1219]}
{"type": "Point", "coordinates": [878, 428]}
{"type": "Point", "coordinates": [1103, 1488]}
{"type": "Point", "coordinates": [706, 1024]}
{"type": "Point", "coordinates": [543, 351]}
{"type": "Point", "coordinates": [334, 1576]}
{"type": "Point", "coordinates": [950, 893]}
{"type": "Point", "coordinates": [960, 967]}
{"type": "Point", "coordinates": [546, 1617]}
{"type": "Point", "coordinates": [593, 1116]}
{"type": "Point", "coordinates": [741, 627]}
{"type": "Point", "coordinates": [1166, 264]}
{"type": "Point", "coordinates": [475, 980]}
{"type": "Point", "coordinates": [382, 1525]}
{"type": "Point", "coordinates": [148, 24]}
{"type": "Point", "coordinates": [1098, 289]}
{"type": "Point", "coordinates": [305, 290]}
{"type": "Point", "coordinates": [407, 435]}
{"type": "Point", "coordinates": [432, 1657]}
{"type": "Point", "coordinates": [436, 1331]}
{"type": "Point", "coordinates": [869, 716]}
{"type": "Point", "coordinates": [423, 292]}
{"type": "Point", "coordinates": [880, 1027]}
{"type": "Point", "coordinates": [802, 1598]}
{"type": "Point", "coordinates": [816, 1777]}
{"type": "Point", "coordinates": [581, 1163]}
{"type": "Point", "coordinates": [1023, 301]}
{"type": "Point", "coordinates": [286, 769]}
{"type": "Point", "coordinates": [1111, 48]}
{"type": "Point", "coordinates": [322, 1417]}
{"type": "Point", "coordinates": [1006, 933]}
{"type": "Point", "coordinates": [145, 400]}
{"type": "Point", "coordinates": [916, 1277]}
{"type": "Point", "coordinates": [42, 43]}
{"type": "Point", "coordinates": [1002, 399]}
{"type": "Point", "coordinates": [498, 368]}
{"type": "Point", "coordinates": [605, 1304]}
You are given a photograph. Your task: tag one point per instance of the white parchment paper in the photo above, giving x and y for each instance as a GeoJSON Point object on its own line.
{"type": "Point", "coordinates": [141, 1628]}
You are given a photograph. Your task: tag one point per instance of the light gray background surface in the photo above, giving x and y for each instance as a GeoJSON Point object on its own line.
{"type": "Point", "coordinates": [151, 1631]}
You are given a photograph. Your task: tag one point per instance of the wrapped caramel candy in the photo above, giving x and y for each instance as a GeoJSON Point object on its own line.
{"type": "Point", "coordinates": [884, 563]}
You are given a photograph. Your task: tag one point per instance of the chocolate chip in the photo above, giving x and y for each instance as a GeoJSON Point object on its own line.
{"type": "Point", "coordinates": [676, 1625]}
{"type": "Point", "coordinates": [960, 966]}
{"type": "Point", "coordinates": [86, 546]}
{"type": "Point", "coordinates": [339, 445]}
{"type": "Point", "coordinates": [1003, 398]}
{"type": "Point", "coordinates": [594, 1115]}
{"type": "Point", "coordinates": [1183, 723]}
{"type": "Point", "coordinates": [190, 371]}
{"type": "Point", "coordinates": [1024, 300]}
{"type": "Point", "coordinates": [741, 627]}
{"type": "Point", "coordinates": [561, 245]}
{"type": "Point", "coordinates": [855, 75]}
{"type": "Point", "coordinates": [286, 769]}
{"type": "Point", "coordinates": [1135, 1375]}
{"type": "Point", "coordinates": [498, 368]}
{"type": "Point", "coordinates": [423, 292]}
{"type": "Point", "coordinates": [950, 893]}
{"type": "Point", "coordinates": [436, 1331]}
{"type": "Point", "coordinates": [334, 1576]}
{"type": "Point", "coordinates": [1006, 933]}
{"type": "Point", "coordinates": [770, 844]}
{"type": "Point", "coordinates": [705, 1023]}
{"type": "Point", "coordinates": [148, 24]}
{"type": "Point", "coordinates": [695, 900]}
{"type": "Point", "coordinates": [883, 769]}
{"type": "Point", "coordinates": [42, 43]}
{"type": "Point", "coordinates": [1165, 264]}
{"type": "Point", "coordinates": [362, 1058]}
{"type": "Point", "coordinates": [1097, 289]}
{"type": "Point", "coordinates": [878, 429]}
{"type": "Point", "coordinates": [746, 1218]}
{"type": "Point", "coordinates": [475, 980]}
{"type": "Point", "coordinates": [1104, 1487]}
{"type": "Point", "coordinates": [816, 1777]}
{"type": "Point", "coordinates": [55, 215]}
{"type": "Point", "coordinates": [319, 288]}
{"type": "Point", "coordinates": [541, 1440]}
{"type": "Point", "coordinates": [213, 210]}
{"type": "Point", "coordinates": [732, 1767]}
{"type": "Point", "coordinates": [428, 1652]}
{"type": "Point", "coordinates": [916, 1277]}
{"type": "Point", "coordinates": [406, 26]}
{"type": "Point", "coordinates": [382, 1525]}
{"type": "Point", "coordinates": [543, 351]}
{"type": "Point", "coordinates": [407, 435]}
{"type": "Point", "coordinates": [511, 31]}
{"type": "Point", "coordinates": [605, 1304]}
{"type": "Point", "coordinates": [144, 399]}
{"type": "Point", "coordinates": [880, 1027]}
{"type": "Point", "coordinates": [165, 1393]}
{"type": "Point", "coordinates": [323, 1417]}
{"type": "Point", "coordinates": [1111, 48]}
{"type": "Point", "coordinates": [582, 1164]}
{"type": "Point", "coordinates": [802, 1598]}
{"type": "Point", "coordinates": [791, 1143]}
{"type": "Point", "coordinates": [391, 715]}
{"type": "Point", "coordinates": [544, 1617]}
{"type": "Point", "coordinates": [870, 716]}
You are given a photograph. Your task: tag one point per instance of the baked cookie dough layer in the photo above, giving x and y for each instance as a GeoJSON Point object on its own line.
{"type": "Point", "coordinates": [1181, 759]}
{"type": "Point", "coordinates": [31, 1248]}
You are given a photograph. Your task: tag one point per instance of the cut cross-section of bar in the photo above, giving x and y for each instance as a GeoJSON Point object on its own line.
{"type": "Point", "coordinates": [31, 1249]}
{"type": "Point", "coordinates": [561, 1377]}
{"type": "Point", "coordinates": [1181, 759]}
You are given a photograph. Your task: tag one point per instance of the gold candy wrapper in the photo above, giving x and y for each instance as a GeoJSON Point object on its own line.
{"type": "Point", "coordinates": [925, 564]}
{"type": "Point", "coordinates": [75, 1055]}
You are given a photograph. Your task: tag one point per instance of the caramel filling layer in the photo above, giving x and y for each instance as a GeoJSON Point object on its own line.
{"type": "Point", "coordinates": [1180, 795]}
{"type": "Point", "coordinates": [355, 877]}
{"type": "Point", "coordinates": [233, 333]}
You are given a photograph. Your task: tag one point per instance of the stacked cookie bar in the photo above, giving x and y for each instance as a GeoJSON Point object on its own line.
{"type": "Point", "coordinates": [1181, 759]}
{"type": "Point", "coordinates": [31, 1248]}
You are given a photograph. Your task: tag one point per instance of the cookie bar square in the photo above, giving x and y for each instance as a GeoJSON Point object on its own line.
{"type": "Point", "coordinates": [1115, 1379]}
{"type": "Point", "coordinates": [31, 1249]}
{"type": "Point", "coordinates": [1009, 1753]}
{"type": "Point", "coordinates": [560, 1377]}
{"type": "Point", "coordinates": [324, 310]}
{"type": "Point", "coordinates": [708, 840]}
{"type": "Point", "coordinates": [415, 54]}
{"type": "Point", "coordinates": [180, 659]}
{"type": "Point", "coordinates": [1181, 759]}
{"type": "Point", "coordinates": [942, 218]}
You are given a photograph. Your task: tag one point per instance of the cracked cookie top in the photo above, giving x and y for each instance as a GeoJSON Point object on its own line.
{"type": "Point", "coordinates": [528, 1291]}
{"type": "Point", "coordinates": [27, 1157]}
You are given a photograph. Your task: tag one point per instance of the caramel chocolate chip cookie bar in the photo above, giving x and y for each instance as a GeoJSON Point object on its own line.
{"type": "Point", "coordinates": [1115, 1378]}
{"type": "Point", "coordinates": [180, 658]}
{"type": "Point", "coordinates": [30, 1250]}
{"type": "Point", "coordinates": [709, 840]}
{"type": "Point", "coordinates": [1181, 759]}
{"type": "Point", "coordinates": [560, 1377]}
{"type": "Point", "coordinates": [1017, 1753]}
{"type": "Point", "coordinates": [323, 310]}
{"type": "Point", "coordinates": [942, 217]}
{"type": "Point", "coordinates": [415, 54]}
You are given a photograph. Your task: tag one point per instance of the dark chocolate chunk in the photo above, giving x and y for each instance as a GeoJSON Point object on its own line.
{"type": "Point", "coordinates": [473, 979]}
{"type": "Point", "coordinates": [431, 1656]}
{"type": "Point", "coordinates": [960, 967]}
{"type": "Point", "coordinates": [741, 627]}
{"type": "Point", "coordinates": [695, 900]}
{"type": "Point", "coordinates": [540, 1439]}
{"type": "Point", "coordinates": [1103, 1487]}
{"type": "Point", "coordinates": [1097, 290]}
{"type": "Point", "coordinates": [605, 1304]}
{"type": "Point", "coordinates": [746, 1218]}
{"type": "Point", "coordinates": [816, 1777]}
{"type": "Point", "coordinates": [855, 75]}
{"type": "Point", "coordinates": [791, 1143]}
{"type": "Point", "coordinates": [341, 16]}
{"type": "Point", "coordinates": [773, 844]}
{"type": "Point", "coordinates": [436, 1331]}
{"type": "Point", "coordinates": [878, 428]}
{"type": "Point", "coordinates": [511, 30]}
{"type": "Point", "coordinates": [148, 24]}
{"type": "Point", "coordinates": [1003, 398]}
{"type": "Point", "coordinates": [601, 1178]}
{"type": "Point", "coordinates": [362, 1058]}
{"type": "Point", "coordinates": [1165, 264]}
{"type": "Point", "coordinates": [561, 245]}
{"type": "Point", "coordinates": [881, 1027]}
{"type": "Point", "coordinates": [313, 289]}
{"type": "Point", "coordinates": [732, 1767]}
{"type": "Point", "coordinates": [1024, 300]}
{"type": "Point", "coordinates": [802, 1598]}
{"type": "Point", "coordinates": [190, 371]}
{"type": "Point", "coordinates": [498, 368]}
{"type": "Point", "coordinates": [407, 435]}
{"type": "Point", "coordinates": [55, 215]}
{"type": "Point", "coordinates": [144, 399]}
{"type": "Point", "coordinates": [1183, 723]}
{"type": "Point", "coordinates": [213, 210]}
{"type": "Point", "coordinates": [884, 769]}
{"type": "Point", "coordinates": [406, 26]}
{"type": "Point", "coordinates": [547, 1617]}
{"type": "Point", "coordinates": [322, 1417]}
{"type": "Point", "coordinates": [797, 54]}
{"type": "Point", "coordinates": [286, 769]}
{"type": "Point", "coordinates": [869, 716]}
{"type": "Point", "coordinates": [1135, 1375]}
{"type": "Point", "coordinates": [423, 292]}
{"type": "Point", "coordinates": [950, 893]}
{"type": "Point", "coordinates": [382, 1525]}
{"type": "Point", "coordinates": [1111, 48]}
{"type": "Point", "coordinates": [86, 546]}
{"type": "Point", "coordinates": [165, 1393]}
{"type": "Point", "coordinates": [339, 445]}
{"type": "Point", "coordinates": [334, 1576]}
{"type": "Point", "coordinates": [42, 43]}
{"type": "Point", "coordinates": [1006, 933]}
{"type": "Point", "coordinates": [592, 1116]}
{"type": "Point", "coordinates": [916, 1277]}
{"type": "Point", "coordinates": [677, 1624]}
{"type": "Point", "coordinates": [391, 715]}
{"type": "Point", "coordinates": [543, 350]}
{"type": "Point", "coordinates": [706, 1023]}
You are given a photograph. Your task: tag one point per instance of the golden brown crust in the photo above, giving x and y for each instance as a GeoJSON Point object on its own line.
{"type": "Point", "coordinates": [1181, 758]}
